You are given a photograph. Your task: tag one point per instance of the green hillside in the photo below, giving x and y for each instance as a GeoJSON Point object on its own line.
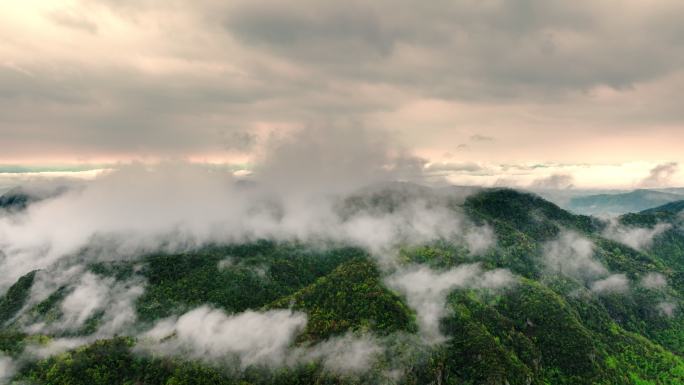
{"type": "Point", "coordinates": [551, 327]}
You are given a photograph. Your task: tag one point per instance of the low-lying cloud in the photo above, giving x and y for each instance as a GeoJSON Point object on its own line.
{"type": "Point", "coordinates": [209, 334]}
{"type": "Point", "coordinates": [667, 308]}
{"type": "Point", "coordinates": [426, 291]}
{"type": "Point", "coordinates": [175, 207]}
{"type": "Point", "coordinates": [653, 281]}
{"type": "Point", "coordinates": [615, 283]}
{"type": "Point", "coordinates": [6, 368]}
{"type": "Point", "coordinates": [348, 354]}
{"type": "Point", "coordinates": [256, 339]}
{"type": "Point", "coordinates": [639, 238]}
{"type": "Point", "coordinates": [572, 255]}
{"type": "Point", "coordinates": [138, 208]}
{"type": "Point", "coordinates": [265, 338]}
{"type": "Point", "coordinates": [107, 303]}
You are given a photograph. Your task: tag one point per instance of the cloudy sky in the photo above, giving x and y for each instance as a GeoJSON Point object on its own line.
{"type": "Point", "coordinates": [545, 92]}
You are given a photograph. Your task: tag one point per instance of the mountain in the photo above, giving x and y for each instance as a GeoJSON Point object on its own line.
{"type": "Point", "coordinates": [15, 200]}
{"type": "Point", "coordinates": [621, 203]}
{"type": "Point", "coordinates": [19, 198]}
{"type": "Point", "coordinates": [672, 208]}
{"type": "Point", "coordinates": [554, 300]}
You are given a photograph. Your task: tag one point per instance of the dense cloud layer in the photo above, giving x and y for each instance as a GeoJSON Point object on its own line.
{"type": "Point", "coordinates": [502, 71]}
{"type": "Point", "coordinates": [349, 195]}
{"type": "Point", "coordinates": [359, 192]}
{"type": "Point", "coordinates": [176, 206]}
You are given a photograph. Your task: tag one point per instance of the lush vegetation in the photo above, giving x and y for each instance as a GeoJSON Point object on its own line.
{"type": "Point", "coordinates": [547, 329]}
{"type": "Point", "coordinates": [351, 298]}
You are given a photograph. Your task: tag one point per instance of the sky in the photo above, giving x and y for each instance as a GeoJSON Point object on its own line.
{"type": "Point", "coordinates": [539, 93]}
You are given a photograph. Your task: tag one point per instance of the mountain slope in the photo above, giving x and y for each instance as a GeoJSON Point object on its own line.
{"type": "Point", "coordinates": [672, 208]}
{"type": "Point", "coordinates": [551, 327]}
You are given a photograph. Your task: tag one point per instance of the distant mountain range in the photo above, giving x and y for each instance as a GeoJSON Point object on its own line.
{"type": "Point", "coordinates": [621, 203]}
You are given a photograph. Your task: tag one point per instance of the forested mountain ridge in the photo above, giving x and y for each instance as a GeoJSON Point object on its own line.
{"type": "Point", "coordinates": [554, 298]}
{"type": "Point", "coordinates": [672, 208]}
